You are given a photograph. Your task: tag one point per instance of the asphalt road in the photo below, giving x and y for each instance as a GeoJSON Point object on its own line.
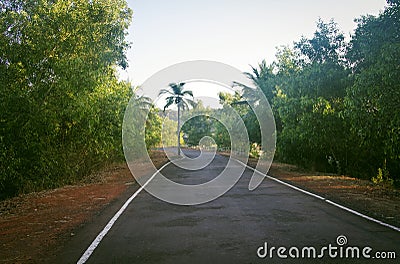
{"type": "Point", "coordinates": [232, 228]}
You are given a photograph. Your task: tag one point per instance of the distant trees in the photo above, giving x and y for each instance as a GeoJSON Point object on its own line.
{"type": "Point", "coordinates": [199, 126]}
{"type": "Point", "coordinates": [168, 136]}
{"type": "Point", "coordinates": [153, 128]}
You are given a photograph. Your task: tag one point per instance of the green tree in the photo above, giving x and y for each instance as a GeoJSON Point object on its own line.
{"type": "Point", "coordinates": [62, 104]}
{"type": "Point", "coordinates": [374, 97]}
{"type": "Point", "coordinates": [248, 98]}
{"type": "Point", "coordinates": [179, 96]}
{"type": "Point", "coordinates": [263, 78]}
{"type": "Point", "coordinates": [199, 125]}
{"type": "Point", "coordinates": [153, 128]}
{"type": "Point", "coordinates": [311, 80]}
{"type": "Point", "coordinates": [327, 44]}
{"type": "Point", "coordinates": [168, 132]}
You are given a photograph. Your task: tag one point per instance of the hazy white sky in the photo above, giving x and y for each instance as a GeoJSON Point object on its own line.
{"type": "Point", "coordinates": [235, 32]}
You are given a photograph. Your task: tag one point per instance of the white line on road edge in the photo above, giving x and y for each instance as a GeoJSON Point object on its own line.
{"type": "Point", "coordinates": [107, 228]}
{"type": "Point", "coordinates": [323, 199]}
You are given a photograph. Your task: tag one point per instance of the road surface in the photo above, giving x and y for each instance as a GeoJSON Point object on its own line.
{"type": "Point", "coordinates": [240, 227]}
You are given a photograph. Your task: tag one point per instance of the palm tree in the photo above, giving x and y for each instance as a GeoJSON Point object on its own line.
{"type": "Point", "coordinates": [135, 117]}
{"type": "Point", "coordinates": [262, 77]}
{"type": "Point", "coordinates": [177, 95]}
{"type": "Point", "coordinates": [139, 101]}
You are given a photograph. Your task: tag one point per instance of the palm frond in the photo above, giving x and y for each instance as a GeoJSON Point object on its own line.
{"type": "Point", "coordinates": [170, 101]}
{"type": "Point", "coordinates": [186, 102]}
{"type": "Point", "coordinates": [239, 103]}
{"type": "Point", "coordinates": [256, 74]}
{"type": "Point", "coordinates": [142, 102]}
{"type": "Point", "coordinates": [177, 95]}
{"type": "Point", "coordinates": [187, 93]}
{"type": "Point", "coordinates": [177, 88]}
{"type": "Point", "coordinates": [165, 91]}
{"type": "Point", "coordinates": [248, 93]}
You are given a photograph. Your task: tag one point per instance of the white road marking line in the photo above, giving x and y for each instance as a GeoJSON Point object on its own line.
{"type": "Point", "coordinates": [107, 228]}
{"type": "Point", "coordinates": [323, 199]}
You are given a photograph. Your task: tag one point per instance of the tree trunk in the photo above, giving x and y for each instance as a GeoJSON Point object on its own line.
{"type": "Point", "coordinates": [178, 129]}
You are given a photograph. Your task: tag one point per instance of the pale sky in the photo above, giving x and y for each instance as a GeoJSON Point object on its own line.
{"type": "Point", "coordinates": [235, 32]}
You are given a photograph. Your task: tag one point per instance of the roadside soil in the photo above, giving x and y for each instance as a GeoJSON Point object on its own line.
{"type": "Point", "coordinates": [34, 225]}
{"type": "Point", "coordinates": [381, 202]}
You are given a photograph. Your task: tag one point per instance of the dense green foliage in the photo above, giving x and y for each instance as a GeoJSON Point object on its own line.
{"type": "Point", "coordinates": [311, 86]}
{"type": "Point", "coordinates": [373, 99]}
{"type": "Point", "coordinates": [61, 103]}
{"type": "Point", "coordinates": [154, 126]}
{"type": "Point", "coordinates": [336, 103]}
{"type": "Point", "coordinates": [199, 126]}
{"type": "Point", "coordinates": [168, 137]}
{"type": "Point", "coordinates": [239, 103]}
